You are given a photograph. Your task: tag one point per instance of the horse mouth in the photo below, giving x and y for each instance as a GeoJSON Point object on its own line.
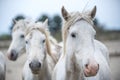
{"type": "Point", "coordinates": [35, 71]}
{"type": "Point", "coordinates": [14, 59]}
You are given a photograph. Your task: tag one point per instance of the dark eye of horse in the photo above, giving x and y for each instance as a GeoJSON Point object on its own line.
{"type": "Point", "coordinates": [73, 35]}
{"type": "Point", "coordinates": [44, 41]}
{"type": "Point", "coordinates": [26, 42]}
{"type": "Point", "coordinates": [22, 36]}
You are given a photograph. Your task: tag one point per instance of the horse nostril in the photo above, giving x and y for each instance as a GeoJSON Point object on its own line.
{"type": "Point", "coordinates": [30, 65]}
{"type": "Point", "coordinates": [86, 65]}
{"type": "Point", "coordinates": [97, 67]}
{"type": "Point", "coordinates": [12, 54]}
{"type": "Point", "coordinates": [39, 64]}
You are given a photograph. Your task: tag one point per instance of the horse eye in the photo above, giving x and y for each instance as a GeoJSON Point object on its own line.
{"type": "Point", "coordinates": [26, 42]}
{"type": "Point", "coordinates": [73, 35]}
{"type": "Point", "coordinates": [44, 41]}
{"type": "Point", "coordinates": [22, 36]}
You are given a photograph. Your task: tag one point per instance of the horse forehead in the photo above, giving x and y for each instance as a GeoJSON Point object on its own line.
{"type": "Point", "coordinates": [80, 25]}
{"type": "Point", "coordinates": [18, 32]}
{"type": "Point", "coordinates": [19, 27]}
{"type": "Point", "coordinates": [35, 34]}
{"type": "Point", "coordinates": [21, 24]}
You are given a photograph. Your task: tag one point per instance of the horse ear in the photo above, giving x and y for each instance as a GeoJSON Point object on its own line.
{"type": "Point", "coordinates": [45, 24]}
{"type": "Point", "coordinates": [93, 12]}
{"type": "Point", "coordinates": [14, 21]}
{"type": "Point", "coordinates": [65, 14]}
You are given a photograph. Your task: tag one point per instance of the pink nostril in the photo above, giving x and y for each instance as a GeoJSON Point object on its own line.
{"type": "Point", "coordinates": [97, 68]}
{"type": "Point", "coordinates": [86, 65]}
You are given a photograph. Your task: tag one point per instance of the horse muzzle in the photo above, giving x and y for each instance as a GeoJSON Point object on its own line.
{"type": "Point", "coordinates": [91, 69]}
{"type": "Point", "coordinates": [12, 55]}
{"type": "Point", "coordinates": [35, 66]}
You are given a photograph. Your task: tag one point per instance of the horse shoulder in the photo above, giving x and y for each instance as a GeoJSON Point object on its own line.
{"type": "Point", "coordinates": [59, 70]}
{"type": "Point", "coordinates": [104, 72]}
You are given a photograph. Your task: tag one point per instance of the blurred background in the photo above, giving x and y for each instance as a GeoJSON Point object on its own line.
{"type": "Point", "coordinates": [107, 25]}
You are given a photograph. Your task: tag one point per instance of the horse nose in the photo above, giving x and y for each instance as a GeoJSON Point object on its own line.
{"type": "Point", "coordinates": [91, 68]}
{"type": "Point", "coordinates": [35, 65]}
{"type": "Point", "coordinates": [12, 55]}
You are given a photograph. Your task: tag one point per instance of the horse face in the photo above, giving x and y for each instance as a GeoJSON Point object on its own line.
{"type": "Point", "coordinates": [36, 49]}
{"type": "Point", "coordinates": [80, 36]}
{"type": "Point", "coordinates": [17, 45]}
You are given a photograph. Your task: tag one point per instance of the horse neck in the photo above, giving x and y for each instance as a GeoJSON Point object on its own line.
{"type": "Point", "coordinates": [49, 50]}
{"type": "Point", "coordinates": [48, 66]}
{"type": "Point", "coordinates": [73, 73]}
{"type": "Point", "coordinates": [45, 71]}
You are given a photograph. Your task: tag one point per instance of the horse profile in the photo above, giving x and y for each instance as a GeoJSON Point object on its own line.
{"type": "Point", "coordinates": [2, 66]}
{"type": "Point", "coordinates": [40, 60]}
{"type": "Point", "coordinates": [82, 58]}
{"type": "Point", "coordinates": [17, 46]}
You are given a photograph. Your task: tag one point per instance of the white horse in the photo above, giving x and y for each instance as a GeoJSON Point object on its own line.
{"type": "Point", "coordinates": [82, 58]}
{"type": "Point", "coordinates": [40, 61]}
{"type": "Point", "coordinates": [2, 66]}
{"type": "Point", "coordinates": [17, 46]}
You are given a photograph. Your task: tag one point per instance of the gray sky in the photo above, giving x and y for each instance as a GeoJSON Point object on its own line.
{"type": "Point", "coordinates": [108, 11]}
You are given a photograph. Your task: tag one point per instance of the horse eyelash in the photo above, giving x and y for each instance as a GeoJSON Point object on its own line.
{"type": "Point", "coordinates": [44, 41]}
{"type": "Point", "coordinates": [73, 35]}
